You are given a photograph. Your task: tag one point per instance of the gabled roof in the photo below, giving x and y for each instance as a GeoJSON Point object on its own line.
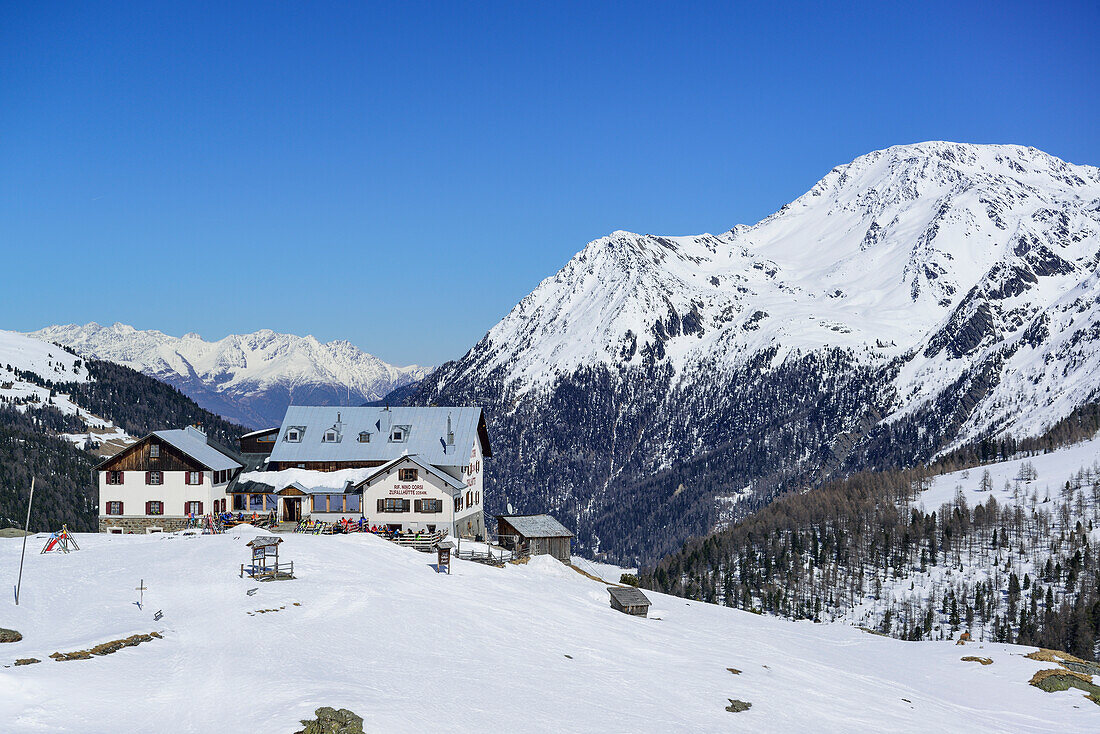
{"type": "Point", "coordinates": [455, 485]}
{"type": "Point", "coordinates": [628, 596]}
{"type": "Point", "coordinates": [537, 526]}
{"type": "Point", "coordinates": [191, 442]}
{"type": "Point", "coordinates": [296, 489]}
{"type": "Point", "coordinates": [427, 434]}
{"type": "Point", "coordinates": [195, 445]}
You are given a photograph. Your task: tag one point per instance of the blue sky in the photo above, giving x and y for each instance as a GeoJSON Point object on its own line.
{"type": "Point", "coordinates": [399, 175]}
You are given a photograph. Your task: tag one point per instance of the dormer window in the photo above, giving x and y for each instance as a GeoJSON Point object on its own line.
{"type": "Point", "coordinates": [399, 434]}
{"type": "Point", "coordinates": [331, 436]}
{"type": "Point", "coordinates": [294, 434]}
{"type": "Point", "coordinates": [364, 437]}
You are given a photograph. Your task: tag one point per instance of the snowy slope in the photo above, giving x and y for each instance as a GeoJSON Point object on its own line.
{"type": "Point", "coordinates": [1035, 484]}
{"type": "Point", "coordinates": [50, 363]}
{"type": "Point", "coordinates": [1014, 481]}
{"type": "Point", "coordinates": [379, 632]}
{"type": "Point", "coordinates": [250, 378]}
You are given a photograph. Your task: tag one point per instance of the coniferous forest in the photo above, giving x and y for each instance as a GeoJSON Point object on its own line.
{"type": "Point", "coordinates": [863, 550]}
{"type": "Point", "coordinates": [65, 490]}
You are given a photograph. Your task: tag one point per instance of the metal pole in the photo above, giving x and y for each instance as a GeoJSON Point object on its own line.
{"type": "Point", "coordinates": [26, 529]}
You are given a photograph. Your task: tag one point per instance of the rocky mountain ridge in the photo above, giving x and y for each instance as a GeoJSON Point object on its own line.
{"type": "Point", "coordinates": [248, 378]}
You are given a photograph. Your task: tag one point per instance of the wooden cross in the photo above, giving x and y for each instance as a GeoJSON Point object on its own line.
{"type": "Point", "coordinates": [141, 588]}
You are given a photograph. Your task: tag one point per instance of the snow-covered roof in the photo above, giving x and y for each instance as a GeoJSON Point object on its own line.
{"type": "Point", "coordinates": [260, 432]}
{"type": "Point", "coordinates": [313, 480]}
{"type": "Point", "coordinates": [425, 434]}
{"type": "Point", "coordinates": [537, 526]}
{"type": "Point", "coordinates": [195, 445]}
{"type": "Point", "coordinates": [453, 483]}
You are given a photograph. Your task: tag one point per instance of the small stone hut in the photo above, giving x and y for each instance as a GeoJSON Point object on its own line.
{"type": "Point", "coordinates": [536, 535]}
{"type": "Point", "coordinates": [629, 600]}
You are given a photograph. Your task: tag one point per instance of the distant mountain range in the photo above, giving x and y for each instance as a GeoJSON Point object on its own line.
{"type": "Point", "coordinates": [920, 296]}
{"type": "Point", "coordinates": [247, 378]}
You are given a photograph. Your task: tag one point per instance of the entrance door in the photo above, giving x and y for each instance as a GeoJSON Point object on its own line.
{"type": "Point", "coordinates": [292, 509]}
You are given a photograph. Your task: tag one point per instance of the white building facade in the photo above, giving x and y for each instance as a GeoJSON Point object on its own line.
{"type": "Point", "coordinates": [419, 469]}
{"type": "Point", "coordinates": [162, 481]}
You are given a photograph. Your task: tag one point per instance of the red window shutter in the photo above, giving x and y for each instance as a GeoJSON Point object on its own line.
{"type": "Point", "coordinates": [148, 480]}
{"type": "Point", "coordinates": [120, 509]}
{"type": "Point", "coordinates": [121, 477]}
{"type": "Point", "coordinates": [201, 475]}
{"type": "Point", "coordinates": [148, 507]}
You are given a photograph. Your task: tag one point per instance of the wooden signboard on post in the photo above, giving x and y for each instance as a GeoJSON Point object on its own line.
{"type": "Point", "coordinates": [444, 561]}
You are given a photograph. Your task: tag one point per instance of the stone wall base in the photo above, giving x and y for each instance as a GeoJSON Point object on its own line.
{"type": "Point", "coordinates": [141, 525]}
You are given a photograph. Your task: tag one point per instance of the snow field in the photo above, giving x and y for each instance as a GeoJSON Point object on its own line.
{"type": "Point", "coordinates": [379, 632]}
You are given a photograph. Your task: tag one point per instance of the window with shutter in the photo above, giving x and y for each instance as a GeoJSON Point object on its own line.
{"type": "Point", "coordinates": [381, 505]}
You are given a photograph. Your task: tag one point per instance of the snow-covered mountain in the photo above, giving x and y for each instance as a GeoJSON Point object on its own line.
{"type": "Point", "coordinates": [915, 298]}
{"type": "Point", "coordinates": [248, 378]}
{"type": "Point", "coordinates": [28, 365]}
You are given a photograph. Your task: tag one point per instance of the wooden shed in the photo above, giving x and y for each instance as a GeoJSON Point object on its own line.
{"type": "Point", "coordinates": [629, 600]}
{"type": "Point", "coordinates": [535, 535]}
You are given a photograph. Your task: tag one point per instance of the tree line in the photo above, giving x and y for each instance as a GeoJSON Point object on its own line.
{"type": "Point", "coordinates": [863, 550]}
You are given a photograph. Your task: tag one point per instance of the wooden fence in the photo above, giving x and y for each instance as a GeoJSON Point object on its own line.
{"type": "Point", "coordinates": [269, 572]}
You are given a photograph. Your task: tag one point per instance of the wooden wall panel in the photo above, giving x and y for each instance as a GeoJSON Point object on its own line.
{"type": "Point", "coordinates": [137, 458]}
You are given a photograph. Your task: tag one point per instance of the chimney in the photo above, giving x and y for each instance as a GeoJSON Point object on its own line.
{"type": "Point", "coordinates": [450, 433]}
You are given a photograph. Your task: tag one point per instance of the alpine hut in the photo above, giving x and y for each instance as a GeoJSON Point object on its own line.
{"type": "Point", "coordinates": [535, 535]}
{"type": "Point", "coordinates": [629, 600]}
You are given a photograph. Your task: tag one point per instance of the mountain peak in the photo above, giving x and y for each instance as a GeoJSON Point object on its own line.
{"type": "Point", "coordinates": [878, 257]}
{"type": "Point", "coordinates": [250, 378]}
